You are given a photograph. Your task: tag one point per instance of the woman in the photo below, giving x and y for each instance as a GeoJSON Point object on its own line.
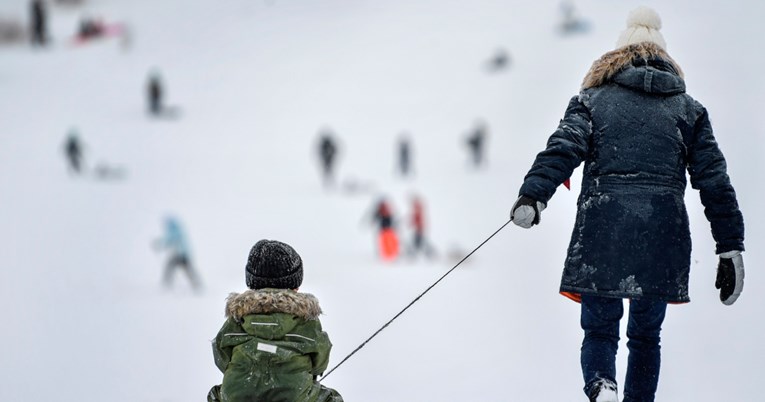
{"type": "Point", "coordinates": [637, 132]}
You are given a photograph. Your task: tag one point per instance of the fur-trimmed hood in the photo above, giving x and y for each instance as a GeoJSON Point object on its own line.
{"type": "Point", "coordinates": [268, 301]}
{"type": "Point", "coordinates": [643, 55]}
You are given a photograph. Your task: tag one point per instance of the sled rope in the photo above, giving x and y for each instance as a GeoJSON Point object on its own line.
{"type": "Point", "coordinates": [413, 301]}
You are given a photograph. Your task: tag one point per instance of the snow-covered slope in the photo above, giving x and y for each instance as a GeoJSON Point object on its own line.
{"type": "Point", "coordinates": [87, 320]}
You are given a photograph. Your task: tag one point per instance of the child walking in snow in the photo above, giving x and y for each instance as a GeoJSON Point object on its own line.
{"type": "Point", "coordinates": [637, 132]}
{"type": "Point", "coordinates": [175, 241]}
{"type": "Point", "coordinates": [39, 23]}
{"type": "Point", "coordinates": [73, 149]}
{"type": "Point", "coordinates": [476, 143]}
{"type": "Point", "coordinates": [386, 238]}
{"type": "Point", "coordinates": [154, 93]}
{"type": "Point", "coordinates": [420, 241]}
{"type": "Point", "coordinates": [272, 347]}
{"type": "Point", "coordinates": [328, 150]}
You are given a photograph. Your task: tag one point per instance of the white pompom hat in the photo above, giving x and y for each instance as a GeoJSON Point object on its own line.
{"type": "Point", "coordinates": [643, 25]}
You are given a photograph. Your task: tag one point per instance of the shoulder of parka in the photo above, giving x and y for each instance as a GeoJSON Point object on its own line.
{"type": "Point", "coordinates": [604, 68]}
{"type": "Point", "coordinates": [268, 301]}
{"type": "Point", "coordinates": [565, 150]}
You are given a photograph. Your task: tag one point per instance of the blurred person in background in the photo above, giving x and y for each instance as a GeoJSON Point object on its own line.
{"type": "Point", "coordinates": [154, 93]}
{"type": "Point", "coordinates": [39, 23]}
{"type": "Point", "coordinates": [386, 238]}
{"type": "Point", "coordinates": [499, 61]}
{"type": "Point", "coordinates": [90, 28]}
{"type": "Point", "coordinates": [327, 151]}
{"type": "Point", "coordinates": [404, 155]}
{"type": "Point", "coordinates": [420, 242]}
{"type": "Point", "coordinates": [476, 143]}
{"type": "Point", "coordinates": [176, 243]}
{"type": "Point", "coordinates": [571, 22]}
{"type": "Point", "coordinates": [73, 151]}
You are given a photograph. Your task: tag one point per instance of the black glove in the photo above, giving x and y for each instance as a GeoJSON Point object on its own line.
{"type": "Point", "coordinates": [730, 276]}
{"type": "Point", "coordinates": [526, 212]}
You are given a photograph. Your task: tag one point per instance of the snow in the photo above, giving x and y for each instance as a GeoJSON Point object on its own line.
{"type": "Point", "coordinates": [254, 82]}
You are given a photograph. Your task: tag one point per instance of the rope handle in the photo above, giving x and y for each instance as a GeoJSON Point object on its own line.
{"type": "Point", "coordinates": [413, 301]}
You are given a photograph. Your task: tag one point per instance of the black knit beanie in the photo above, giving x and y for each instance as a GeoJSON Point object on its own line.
{"type": "Point", "coordinates": [273, 264]}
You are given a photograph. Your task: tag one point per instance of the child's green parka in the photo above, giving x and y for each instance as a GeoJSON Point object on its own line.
{"type": "Point", "coordinates": [272, 348]}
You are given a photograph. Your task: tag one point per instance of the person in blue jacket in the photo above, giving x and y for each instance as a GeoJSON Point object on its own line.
{"type": "Point", "coordinates": [638, 132]}
{"type": "Point", "coordinates": [175, 242]}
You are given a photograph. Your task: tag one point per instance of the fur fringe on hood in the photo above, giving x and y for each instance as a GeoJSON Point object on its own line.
{"type": "Point", "coordinates": [614, 61]}
{"type": "Point", "coordinates": [266, 301]}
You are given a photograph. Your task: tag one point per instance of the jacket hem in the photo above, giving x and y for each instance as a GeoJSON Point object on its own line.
{"type": "Point", "coordinates": [575, 294]}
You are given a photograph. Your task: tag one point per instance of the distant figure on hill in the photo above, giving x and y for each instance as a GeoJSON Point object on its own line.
{"type": "Point", "coordinates": [175, 242]}
{"type": "Point", "coordinates": [476, 143]}
{"type": "Point", "coordinates": [39, 23]}
{"type": "Point", "coordinates": [73, 151]}
{"type": "Point", "coordinates": [571, 23]}
{"type": "Point", "coordinates": [387, 240]}
{"type": "Point", "coordinates": [404, 155]}
{"type": "Point", "coordinates": [327, 150]}
{"type": "Point", "coordinates": [420, 243]}
{"type": "Point", "coordinates": [154, 92]}
{"type": "Point", "coordinates": [499, 61]}
{"type": "Point", "coordinates": [90, 28]}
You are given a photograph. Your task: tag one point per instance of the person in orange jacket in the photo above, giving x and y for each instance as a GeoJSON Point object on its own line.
{"type": "Point", "coordinates": [387, 239]}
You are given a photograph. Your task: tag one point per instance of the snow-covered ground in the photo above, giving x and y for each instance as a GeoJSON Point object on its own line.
{"type": "Point", "coordinates": [87, 320]}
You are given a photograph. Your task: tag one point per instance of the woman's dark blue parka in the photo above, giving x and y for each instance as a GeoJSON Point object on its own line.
{"type": "Point", "coordinates": [637, 132]}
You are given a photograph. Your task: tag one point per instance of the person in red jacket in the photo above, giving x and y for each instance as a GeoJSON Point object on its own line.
{"type": "Point", "coordinates": [419, 242]}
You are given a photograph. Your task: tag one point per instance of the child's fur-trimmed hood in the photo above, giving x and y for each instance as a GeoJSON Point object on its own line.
{"type": "Point", "coordinates": [609, 64]}
{"type": "Point", "coordinates": [267, 301]}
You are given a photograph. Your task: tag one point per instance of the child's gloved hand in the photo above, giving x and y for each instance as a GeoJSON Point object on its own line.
{"type": "Point", "coordinates": [730, 276]}
{"type": "Point", "coordinates": [526, 212]}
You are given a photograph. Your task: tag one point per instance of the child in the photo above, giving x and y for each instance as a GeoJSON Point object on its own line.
{"type": "Point", "coordinates": [272, 347]}
{"type": "Point", "coordinates": [387, 239]}
{"type": "Point", "coordinates": [73, 149]}
{"type": "Point", "coordinates": [328, 152]}
{"type": "Point", "coordinates": [637, 132]}
{"type": "Point", "coordinates": [180, 253]}
{"type": "Point", "coordinates": [420, 242]}
{"type": "Point", "coordinates": [476, 142]}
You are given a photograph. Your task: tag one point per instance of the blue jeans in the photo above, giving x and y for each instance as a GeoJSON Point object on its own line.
{"type": "Point", "coordinates": [600, 322]}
